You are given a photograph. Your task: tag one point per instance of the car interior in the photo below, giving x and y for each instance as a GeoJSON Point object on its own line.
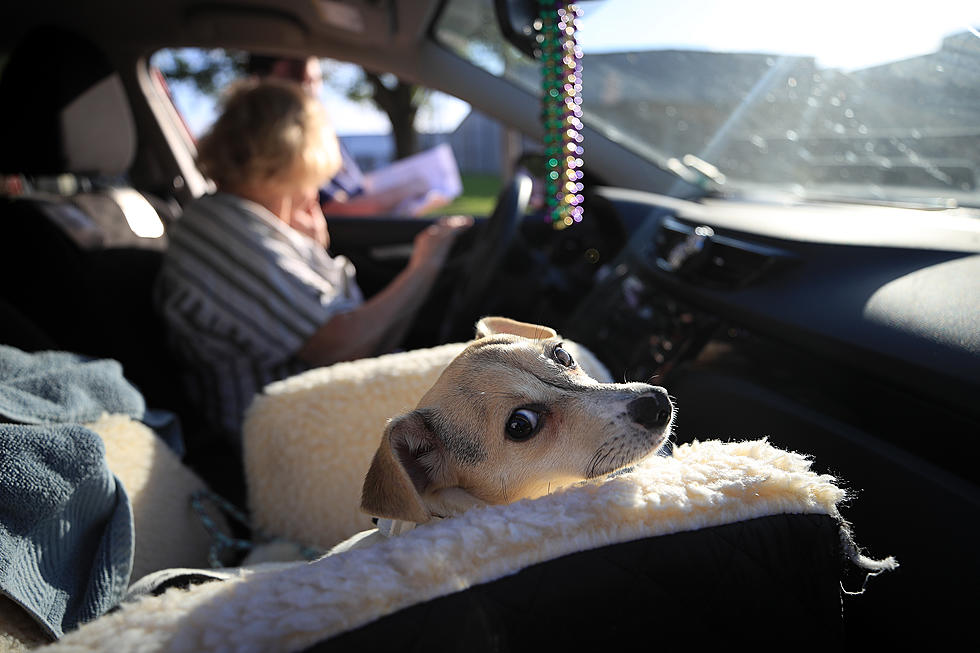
{"type": "Point", "coordinates": [847, 330]}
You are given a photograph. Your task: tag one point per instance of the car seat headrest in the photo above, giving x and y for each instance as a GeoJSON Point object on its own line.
{"type": "Point", "coordinates": [63, 108]}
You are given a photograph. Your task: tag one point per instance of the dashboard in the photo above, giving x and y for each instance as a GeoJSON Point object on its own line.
{"type": "Point", "coordinates": [848, 334]}
{"type": "Point", "coordinates": [892, 293]}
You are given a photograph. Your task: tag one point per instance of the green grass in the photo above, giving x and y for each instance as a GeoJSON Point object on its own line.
{"type": "Point", "coordinates": [478, 198]}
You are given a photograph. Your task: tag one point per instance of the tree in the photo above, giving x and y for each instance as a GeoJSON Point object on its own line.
{"type": "Point", "coordinates": [209, 71]}
{"type": "Point", "coordinates": [399, 100]}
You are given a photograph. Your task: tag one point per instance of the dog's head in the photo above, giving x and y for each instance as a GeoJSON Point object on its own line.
{"type": "Point", "coordinates": [512, 416]}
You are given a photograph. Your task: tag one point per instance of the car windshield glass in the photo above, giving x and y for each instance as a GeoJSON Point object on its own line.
{"type": "Point", "coordinates": [863, 100]}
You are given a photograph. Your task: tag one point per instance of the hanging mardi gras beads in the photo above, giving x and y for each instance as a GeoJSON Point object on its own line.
{"type": "Point", "coordinates": [561, 62]}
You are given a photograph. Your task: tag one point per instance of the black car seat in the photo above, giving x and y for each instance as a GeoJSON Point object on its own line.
{"type": "Point", "coordinates": [79, 248]}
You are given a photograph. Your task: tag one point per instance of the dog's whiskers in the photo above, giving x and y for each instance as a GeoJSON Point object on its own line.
{"type": "Point", "coordinates": [597, 461]}
{"type": "Point", "coordinates": [593, 464]}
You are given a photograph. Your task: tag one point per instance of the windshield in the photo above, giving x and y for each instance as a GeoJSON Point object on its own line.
{"type": "Point", "coordinates": [864, 100]}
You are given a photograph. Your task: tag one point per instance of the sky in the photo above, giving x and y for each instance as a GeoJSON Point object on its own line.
{"type": "Point", "coordinates": [865, 33]}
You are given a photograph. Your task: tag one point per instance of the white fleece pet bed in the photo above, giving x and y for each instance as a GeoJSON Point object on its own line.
{"type": "Point", "coordinates": [308, 440]}
{"type": "Point", "coordinates": [289, 608]}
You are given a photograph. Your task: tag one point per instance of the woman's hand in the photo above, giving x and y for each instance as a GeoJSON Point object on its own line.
{"type": "Point", "coordinates": [432, 244]}
{"type": "Point", "coordinates": [307, 218]}
{"type": "Point", "coordinates": [379, 325]}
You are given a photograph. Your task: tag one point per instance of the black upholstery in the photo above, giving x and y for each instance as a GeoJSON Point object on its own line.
{"type": "Point", "coordinates": [71, 269]}
{"type": "Point", "coordinates": [18, 330]}
{"type": "Point", "coordinates": [750, 584]}
{"type": "Point", "coordinates": [96, 302]}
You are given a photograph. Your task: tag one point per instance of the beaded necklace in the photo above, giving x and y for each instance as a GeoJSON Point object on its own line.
{"type": "Point", "coordinates": [561, 110]}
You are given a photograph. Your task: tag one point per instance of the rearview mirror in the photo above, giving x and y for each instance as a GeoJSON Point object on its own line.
{"type": "Point", "coordinates": [519, 24]}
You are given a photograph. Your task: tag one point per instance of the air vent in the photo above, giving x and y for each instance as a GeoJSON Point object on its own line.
{"type": "Point", "coordinates": [669, 236]}
{"type": "Point", "coordinates": [732, 266]}
{"type": "Point", "coordinates": [698, 255]}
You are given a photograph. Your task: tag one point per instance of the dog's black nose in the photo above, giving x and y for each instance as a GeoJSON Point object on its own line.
{"type": "Point", "coordinates": [650, 410]}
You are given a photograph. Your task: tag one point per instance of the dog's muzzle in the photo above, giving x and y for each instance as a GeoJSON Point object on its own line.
{"type": "Point", "coordinates": [651, 411]}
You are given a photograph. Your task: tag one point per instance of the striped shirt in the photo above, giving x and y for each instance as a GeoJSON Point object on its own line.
{"type": "Point", "coordinates": [241, 292]}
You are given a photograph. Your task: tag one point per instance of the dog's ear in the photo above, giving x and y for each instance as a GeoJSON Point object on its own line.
{"type": "Point", "coordinates": [490, 326]}
{"type": "Point", "coordinates": [407, 462]}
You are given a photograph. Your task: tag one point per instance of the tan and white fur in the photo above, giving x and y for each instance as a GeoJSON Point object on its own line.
{"type": "Point", "coordinates": [512, 417]}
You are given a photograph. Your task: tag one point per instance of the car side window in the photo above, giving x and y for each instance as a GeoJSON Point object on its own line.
{"type": "Point", "coordinates": [483, 148]}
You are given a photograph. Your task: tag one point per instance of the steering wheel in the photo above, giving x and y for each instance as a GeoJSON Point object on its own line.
{"type": "Point", "coordinates": [493, 240]}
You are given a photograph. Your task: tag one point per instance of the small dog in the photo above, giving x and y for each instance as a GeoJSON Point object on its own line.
{"type": "Point", "coordinates": [511, 417]}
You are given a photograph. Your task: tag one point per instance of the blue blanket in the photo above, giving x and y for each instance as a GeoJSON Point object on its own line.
{"type": "Point", "coordinates": [55, 387]}
{"type": "Point", "coordinates": [66, 525]}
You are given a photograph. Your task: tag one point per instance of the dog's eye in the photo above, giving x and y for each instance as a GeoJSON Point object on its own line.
{"type": "Point", "coordinates": [562, 356]}
{"type": "Point", "coordinates": [522, 424]}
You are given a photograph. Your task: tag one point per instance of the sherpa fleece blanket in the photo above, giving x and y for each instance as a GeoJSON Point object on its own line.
{"type": "Point", "coordinates": [290, 608]}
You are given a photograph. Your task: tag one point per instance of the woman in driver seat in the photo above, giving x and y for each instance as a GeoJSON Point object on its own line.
{"type": "Point", "coordinates": [247, 289]}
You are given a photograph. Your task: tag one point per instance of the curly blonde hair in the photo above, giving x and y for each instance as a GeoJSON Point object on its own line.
{"type": "Point", "coordinates": [270, 133]}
